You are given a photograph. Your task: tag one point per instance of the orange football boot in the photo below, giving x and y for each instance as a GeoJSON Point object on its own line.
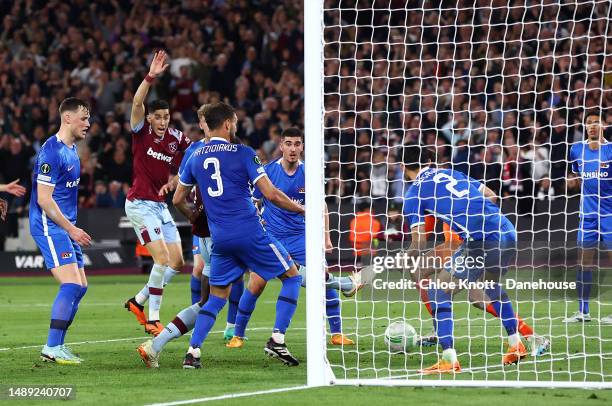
{"type": "Point", "coordinates": [132, 306]}
{"type": "Point", "coordinates": [442, 367]}
{"type": "Point", "coordinates": [341, 339]}
{"type": "Point", "coordinates": [515, 354]}
{"type": "Point", "coordinates": [235, 342]}
{"type": "Point", "coordinates": [153, 327]}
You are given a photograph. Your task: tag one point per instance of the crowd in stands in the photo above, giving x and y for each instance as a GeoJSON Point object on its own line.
{"type": "Point", "coordinates": [497, 88]}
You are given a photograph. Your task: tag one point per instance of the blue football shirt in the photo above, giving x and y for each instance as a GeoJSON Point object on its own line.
{"type": "Point", "coordinates": [456, 199]}
{"type": "Point", "coordinates": [56, 165]}
{"type": "Point", "coordinates": [278, 221]}
{"type": "Point", "coordinates": [188, 153]}
{"type": "Point", "coordinates": [224, 172]}
{"type": "Point", "coordinates": [593, 166]}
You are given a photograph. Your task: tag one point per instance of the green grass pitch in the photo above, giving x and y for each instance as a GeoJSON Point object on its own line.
{"type": "Point", "coordinates": [114, 375]}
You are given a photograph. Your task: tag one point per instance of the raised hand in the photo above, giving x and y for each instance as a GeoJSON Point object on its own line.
{"type": "Point", "coordinates": [158, 64]}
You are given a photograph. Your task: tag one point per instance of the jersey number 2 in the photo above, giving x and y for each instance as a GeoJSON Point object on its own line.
{"type": "Point", "coordinates": [450, 186]}
{"type": "Point", "coordinates": [216, 176]}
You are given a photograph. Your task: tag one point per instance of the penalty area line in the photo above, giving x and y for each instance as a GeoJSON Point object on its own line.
{"type": "Point", "coordinates": [230, 396]}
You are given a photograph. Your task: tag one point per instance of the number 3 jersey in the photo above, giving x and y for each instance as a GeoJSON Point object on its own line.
{"type": "Point", "coordinates": [225, 173]}
{"type": "Point", "coordinates": [458, 200]}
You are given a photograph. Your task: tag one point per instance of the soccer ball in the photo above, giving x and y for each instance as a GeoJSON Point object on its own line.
{"type": "Point", "coordinates": [400, 337]}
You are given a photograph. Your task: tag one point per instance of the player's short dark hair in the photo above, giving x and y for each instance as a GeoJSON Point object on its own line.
{"type": "Point", "coordinates": [158, 104]}
{"type": "Point", "coordinates": [72, 104]}
{"type": "Point", "coordinates": [415, 156]}
{"type": "Point", "coordinates": [292, 132]}
{"type": "Point", "coordinates": [216, 114]}
{"type": "Point", "coordinates": [593, 112]}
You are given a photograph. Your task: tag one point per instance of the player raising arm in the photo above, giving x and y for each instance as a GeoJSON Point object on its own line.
{"type": "Point", "coordinates": [53, 214]}
{"type": "Point", "coordinates": [156, 148]}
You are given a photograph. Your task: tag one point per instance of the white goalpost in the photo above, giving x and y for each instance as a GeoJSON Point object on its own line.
{"type": "Point", "coordinates": [495, 89]}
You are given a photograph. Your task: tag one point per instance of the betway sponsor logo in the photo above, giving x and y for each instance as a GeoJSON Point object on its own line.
{"type": "Point", "coordinates": [158, 155]}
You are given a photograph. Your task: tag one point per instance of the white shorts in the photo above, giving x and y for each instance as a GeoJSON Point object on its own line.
{"type": "Point", "coordinates": [205, 250]}
{"type": "Point", "coordinates": [151, 221]}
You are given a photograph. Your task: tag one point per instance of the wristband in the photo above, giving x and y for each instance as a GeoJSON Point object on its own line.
{"type": "Point", "coordinates": [149, 78]}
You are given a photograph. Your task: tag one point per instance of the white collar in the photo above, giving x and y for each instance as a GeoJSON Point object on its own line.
{"type": "Point", "coordinates": [422, 170]}
{"type": "Point", "coordinates": [219, 139]}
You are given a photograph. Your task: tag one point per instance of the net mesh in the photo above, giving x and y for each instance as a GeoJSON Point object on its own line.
{"type": "Point", "coordinates": [495, 89]}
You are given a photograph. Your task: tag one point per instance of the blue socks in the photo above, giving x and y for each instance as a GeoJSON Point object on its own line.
{"type": "Point", "coordinates": [245, 308]}
{"type": "Point", "coordinates": [234, 299]}
{"type": "Point", "coordinates": [503, 307]}
{"type": "Point", "coordinates": [287, 303]}
{"type": "Point", "coordinates": [61, 312]}
{"type": "Point", "coordinates": [442, 312]}
{"type": "Point", "coordinates": [196, 292]}
{"type": "Point", "coordinates": [206, 319]}
{"type": "Point", "coordinates": [75, 307]}
{"type": "Point", "coordinates": [333, 311]}
{"type": "Point", "coordinates": [584, 281]}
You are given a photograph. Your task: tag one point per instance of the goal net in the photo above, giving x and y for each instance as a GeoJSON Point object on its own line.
{"type": "Point", "coordinates": [497, 90]}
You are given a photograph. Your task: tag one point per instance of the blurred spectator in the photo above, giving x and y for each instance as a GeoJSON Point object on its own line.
{"type": "Point", "coordinates": [364, 230]}
{"type": "Point", "coordinates": [109, 196]}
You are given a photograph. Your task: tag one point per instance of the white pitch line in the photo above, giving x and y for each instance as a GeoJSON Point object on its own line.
{"type": "Point", "coordinates": [230, 396]}
{"type": "Point", "coordinates": [129, 339]}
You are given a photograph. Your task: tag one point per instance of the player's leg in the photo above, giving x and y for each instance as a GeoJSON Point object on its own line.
{"type": "Point", "coordinates": [442, 311]}
{"type": "Point", "coordinates": [266, 257]}
{"type": "Point", "coordinates": [538, 344]}
{"type": "Point", "coordinates": [147, 219]}
{"type": "Point", "coordinates": [196, 273]}
{"type": "Point", "coordinates": [185, 320]}
{"type": "Point", "coordinates": [286, 305]}
{"type": "Point", "coordinates": [236, 292]}
{"type": "Point", "coordinates": [225, 269]}
{"type": "Point", "coordinates": [588, 236]}
{"type": "Point", "coordinates": [61, 260]}
{"type": "Point", "coordinates": [75, 306]}
{"type": "Point", "coordinates": [160, 255]}
{"type": "Point", "coordinates": [246, 306]}
{"type": "Point", "coordinates": [173, 242]}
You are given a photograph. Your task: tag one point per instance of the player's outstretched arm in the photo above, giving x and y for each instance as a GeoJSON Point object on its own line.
{"type": "Point", "coordinates": [179, 200]}
{"type": "Point", "coordinates": [46, 202]}
{"type": "Point", "coordinates": [13, 188]}
{"type": "Point", "coordinates": [277, 197]}
{"type": "Point", "coordinates": [158, 66]}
